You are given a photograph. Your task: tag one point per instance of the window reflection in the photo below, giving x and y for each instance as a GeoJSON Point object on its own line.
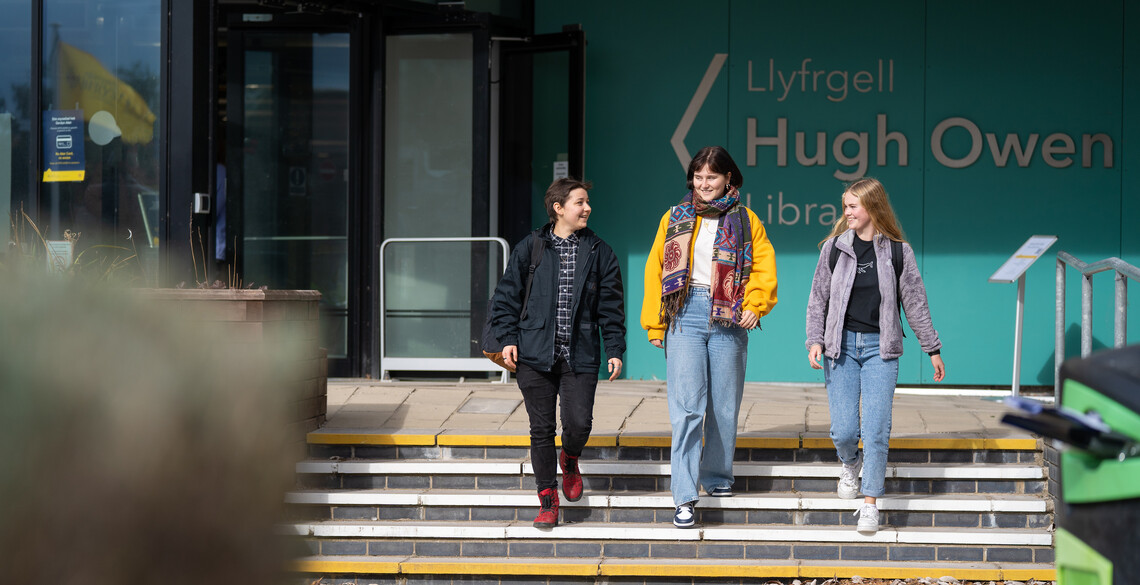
{"type": "Point", "coordinates": [15, 113]}
{"type": "Point", "coordinates": [102, 65]}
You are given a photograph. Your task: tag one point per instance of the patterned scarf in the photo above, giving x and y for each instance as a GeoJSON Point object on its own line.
{"type": "Point", "coordinates": [732, 255]}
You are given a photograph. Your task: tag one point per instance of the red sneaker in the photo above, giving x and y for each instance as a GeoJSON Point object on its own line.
{"type": "Point", "coordinates": [548, 513]}
{"type": "Point", "coordinates": [571, 477]}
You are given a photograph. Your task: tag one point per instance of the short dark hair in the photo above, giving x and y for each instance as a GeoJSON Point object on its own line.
{"type": "Point", "coordinates": [719, 161]}
{"type": "Point", "coordinates": [559, 191]}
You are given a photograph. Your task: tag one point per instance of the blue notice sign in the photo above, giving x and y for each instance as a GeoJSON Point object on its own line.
{"type": "Point", "coordinates": [63, 146]}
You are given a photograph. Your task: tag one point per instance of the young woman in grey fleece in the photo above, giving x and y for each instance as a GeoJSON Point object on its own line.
{"type": "Point", "coordinates": [853, 323]}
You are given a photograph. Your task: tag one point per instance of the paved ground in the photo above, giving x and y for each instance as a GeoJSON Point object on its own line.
{"type": "Point", "coordinates": [640, 407]}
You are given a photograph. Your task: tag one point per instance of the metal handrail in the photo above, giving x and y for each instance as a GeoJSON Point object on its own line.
{"type": "Point", "coordinates": [391, 363]}
{"type": "Point", "coordinates": [1123, 271]}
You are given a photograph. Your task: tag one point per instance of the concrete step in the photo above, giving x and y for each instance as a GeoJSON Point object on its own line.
{"type": "Point", "coordinates": [791, 501]}
{"type": "Point", "coordinates": [517, 571]}
{"type": "Point", "coordinates": [985, 553]}
{"type": "Point", "coordinates": [606, 476]}
{"type": "Point", "coordinates": [455, 507]}
{"type": "Point", "coordinates": [820, 509]}
{"type": "Point", "coordinates": [605, 542]}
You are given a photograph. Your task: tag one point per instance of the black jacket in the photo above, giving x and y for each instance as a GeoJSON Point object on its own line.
{"type": "Point", "coordinates": [598, 304]}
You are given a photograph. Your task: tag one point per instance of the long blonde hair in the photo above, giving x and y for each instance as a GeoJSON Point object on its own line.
{"type": "Point", "coordinates": [873, 197]}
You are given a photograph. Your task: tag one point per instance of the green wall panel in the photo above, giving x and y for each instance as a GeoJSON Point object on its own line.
{"type": "Point", "coordinates": [877, 81]}
{"type": "Point", "coordinates": [1130, 179]}
{"type": "Point", "coordinates": [1024, 69]}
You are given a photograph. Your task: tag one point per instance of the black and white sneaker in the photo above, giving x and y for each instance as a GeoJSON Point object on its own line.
{"type": "Point", "coordinates": [685, 517]}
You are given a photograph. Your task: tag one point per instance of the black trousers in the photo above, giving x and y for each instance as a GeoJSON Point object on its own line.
{"type": "Point", "coordinates": [542, 392]}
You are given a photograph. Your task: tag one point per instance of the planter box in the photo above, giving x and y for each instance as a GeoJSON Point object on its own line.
{"type": "Point", "coordinates": [281, 326]}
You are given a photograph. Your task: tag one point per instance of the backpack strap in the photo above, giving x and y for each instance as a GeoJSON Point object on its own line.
{"type": "Point", "coordinates": [537, 247]}
{"type": "Point", "coordinates": [897, 260]}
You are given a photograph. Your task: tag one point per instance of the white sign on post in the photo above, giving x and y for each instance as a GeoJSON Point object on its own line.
{"type": "Point", "coordinates": [1014, 270]}
{"type": "Point", "coordinates": [1023, 258]}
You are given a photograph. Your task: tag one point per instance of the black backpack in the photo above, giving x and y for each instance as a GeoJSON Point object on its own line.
{"type": "Point", "coordinates": [896, 260]}
{"type": "Point", "coordinates": [491, 346]}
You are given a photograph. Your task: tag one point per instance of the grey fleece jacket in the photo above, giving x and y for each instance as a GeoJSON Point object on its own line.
{"type": "Point", "coordinates": [830, 292]}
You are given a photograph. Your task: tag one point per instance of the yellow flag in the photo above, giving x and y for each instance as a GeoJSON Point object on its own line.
{"type": "Point", "coordinates": [84, 81]}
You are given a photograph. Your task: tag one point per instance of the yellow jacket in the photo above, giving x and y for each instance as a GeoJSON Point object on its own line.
{"type": "Point", "coordinates": [759, 293]}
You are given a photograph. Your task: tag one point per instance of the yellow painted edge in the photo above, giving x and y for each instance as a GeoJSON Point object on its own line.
{"type": "Point", "coordinates": [964, 444]}
{"type": "Point", "coordinates": [601, 441]}
{"type": "Point", "coordinates": [963, 573]}
{"type": "Point", "coordinates": [687, 570]}
{"type": "Point", "coordinates": [327, 438]}
{"type": "Point", "coordinates": [583, 569]}
{"type": "Point", "coordinates": [817, 443]}
{"type": "Point", "coordinates": [646, 441]}
{"type": "Point", "coordinates": [939, 443]}
{"type": "Point", "coordinates": [333, 438]}
{"type": "Point", "coordinates": [1012, 444]}
{"type": "Point", "coordinates": [367, 567]}
{"type": "Point", "coordinates": [498, 568]}
{"type": "Point", "coordinates": [483, 440]}
{"type": "Point", "coordinates": [768, 442]}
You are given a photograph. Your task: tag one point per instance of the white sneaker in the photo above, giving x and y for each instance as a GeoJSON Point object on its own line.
{"type": "Point", "coordinates": [868, 519]}
{"type": "Point", "coordinates": [685, 517]}
{"type": "Point", "coordinates": [849, 479]}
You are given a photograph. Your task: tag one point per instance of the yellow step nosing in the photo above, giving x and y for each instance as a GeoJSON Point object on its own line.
{"type": "Point", "coordinates": [457, 440]}
{"type": "Point", "coordinates": [335, 438]}
{"type": "Point", "coordinates": [768, 442]}
{"type": "Point", "coordinates": [582, 568]}
{"type": "Point", "coordinates": [344, 566]}
{"type": "Point", "coordinates": [437, 567]}
{"type": "Point", "coordinates": [616, 440]}
{"type": "Point", "coordinates": [964, 573]}
{"type": "Point", "coordinates": [665, 569]}
{"type": "Point", "coordinates": [643, 441]}
{"type": "Point", "coordinates": [475, 440]}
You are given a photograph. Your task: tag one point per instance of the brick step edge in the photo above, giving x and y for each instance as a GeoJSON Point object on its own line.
{"type": "Point", "coordinates": [662, 469]}
{"type": "Point", "coordinates": [664, 532]}
{"type": "Point", "coordinates": [609, 568]}
{"type": "Point", "coordinates": [1030, 504]}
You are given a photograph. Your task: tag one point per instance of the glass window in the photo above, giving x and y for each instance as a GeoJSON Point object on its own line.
{"type": "Point", "coordinates": [427, 194]}
{"type": "Point", "coordinates": [15, 115]}
{"type": "Point", "coordinates": [100, 133]}
{"type": "Point", "coordinates": [294, 136]}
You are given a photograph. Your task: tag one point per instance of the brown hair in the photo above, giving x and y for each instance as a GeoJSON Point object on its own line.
{"type": "Point", "coordinates": [718, 161]}
{"type": "Point", "coordinates": [559, 191]}
{"type": "Point", "coordinates": [873, 197]}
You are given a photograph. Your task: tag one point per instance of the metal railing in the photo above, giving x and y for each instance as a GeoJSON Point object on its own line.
{"type": "Point", "coordinates": [1123, 271]}
{"type": "Point", "coordinates": [430, 364]}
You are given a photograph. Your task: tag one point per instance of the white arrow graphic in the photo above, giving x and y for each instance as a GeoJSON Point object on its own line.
{"type": "Point", "coordinates": [678, 140]}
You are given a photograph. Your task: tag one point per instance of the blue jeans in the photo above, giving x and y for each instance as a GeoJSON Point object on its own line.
{"type": "Point", "coordinates": [861, 376]}
{"type": "Point", "coordinates": [704, 363]}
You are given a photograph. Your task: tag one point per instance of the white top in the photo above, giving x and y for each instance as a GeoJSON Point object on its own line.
{"type": "Point", "coordinates": [701, 274]}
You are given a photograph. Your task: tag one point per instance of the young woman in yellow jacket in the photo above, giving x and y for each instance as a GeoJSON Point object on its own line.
{"type": "Point", "coordinates": [709, 279]}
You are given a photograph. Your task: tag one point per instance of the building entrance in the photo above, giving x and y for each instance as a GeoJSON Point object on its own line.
{"type": "Point", "coordinates": [285, 176]}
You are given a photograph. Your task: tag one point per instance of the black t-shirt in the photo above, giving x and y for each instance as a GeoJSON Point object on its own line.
{"type": "Point", "coordinates": [863, 307]}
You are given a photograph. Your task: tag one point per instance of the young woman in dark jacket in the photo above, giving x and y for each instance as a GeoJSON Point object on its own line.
{"type": "Point", "coordinates": [576, 292]}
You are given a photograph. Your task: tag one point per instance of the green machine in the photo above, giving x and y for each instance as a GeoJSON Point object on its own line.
{"type": "Point", "coordinates": [1097, 539]}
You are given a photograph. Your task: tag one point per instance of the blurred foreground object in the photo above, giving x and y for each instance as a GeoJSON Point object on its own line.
{"type": "Point", "coordinates": [1098, 426]}
{"type": "Point", "coordinates": [135, 445]}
